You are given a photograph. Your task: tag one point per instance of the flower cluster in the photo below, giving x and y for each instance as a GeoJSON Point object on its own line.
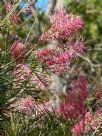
{"type": "Point", "coordinates": [80, 127]}
{"type": "Point", "coordinates": [87, 124]}
{"type": "Point", "coordinates": [14, 18]}
{"type": "Point", "coordinates": [73, 106]}
{"type": "Point", "coordinates": [17, 50]}
{"type": "Point", "coordinates": [28, 105]}
{"type": "Point", "coordinates": [58, 59]}
{"type": "Point", "coordinates": [62, 26]}
{"type": "Point", "coordinates": [24, 105]}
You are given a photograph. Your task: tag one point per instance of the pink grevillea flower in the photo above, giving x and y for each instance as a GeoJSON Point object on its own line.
{"type": "Point", "coordinates": [73, 106]}
{"type": "Point", "coordinates": [58, 59]}
{"type": "Point", "coordinates": [83, 126]}
{"type": "Point", "coordinates": [14, 18]}
{"type": "Point", "coordinates": [40, 81]}
{"type": "Point", "coordinates": [87, 123]}
{"type": "Point", "coordinates": [29, 106]}
{"type": "Point", "coordinates": [24, 105]}
{"type": "Point", "coordinates": [58, 69]}
{"type": "Point", "coordinates": [21, 72]}
{"type": "Point", "coordinates": [75, 48]}
{"type": "Point", "coordinates": [78, 128]}
{"type": "Point", "coordinates": [62, 26]}
{"type": "Point", "coordinates": [52, 58]}
{"type": "Point", "coordinates": [44, 53]}
{"type": "Point", "coordinates": [17, 50]}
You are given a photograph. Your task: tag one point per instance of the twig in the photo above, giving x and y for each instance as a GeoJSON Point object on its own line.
{"type": "Point", "coordinates": [29, 32]}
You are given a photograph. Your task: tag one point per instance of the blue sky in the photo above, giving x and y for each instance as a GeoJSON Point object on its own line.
{"type": "Point", "coordinates": [40, 4]}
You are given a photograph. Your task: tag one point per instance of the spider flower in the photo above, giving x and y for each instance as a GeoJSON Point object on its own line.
{"type": "Point", "coordinates": [62, 26]}
{"type": "Point", "coordinates": [29, 106]}
{"type": "Point", "coordinates": [73, 106]}
{"type": "Point", "coordinates": [17, 50]}
{"type": "Point", "coordinates": [58, 59]}
{"type": "Point", "coordinates": [89, 123]}
{"type": "Point", "coordinates": [13, 17]}
{"type": "Point", "coordinates": [24, 105]}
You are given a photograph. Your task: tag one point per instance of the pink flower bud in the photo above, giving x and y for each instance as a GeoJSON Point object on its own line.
{"type": "Point", "coordinates": [8, 6]}
{"type": "Point", "coordinates": [17, 50]}
{"type": "Point", "coordinates": [14, 18]}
